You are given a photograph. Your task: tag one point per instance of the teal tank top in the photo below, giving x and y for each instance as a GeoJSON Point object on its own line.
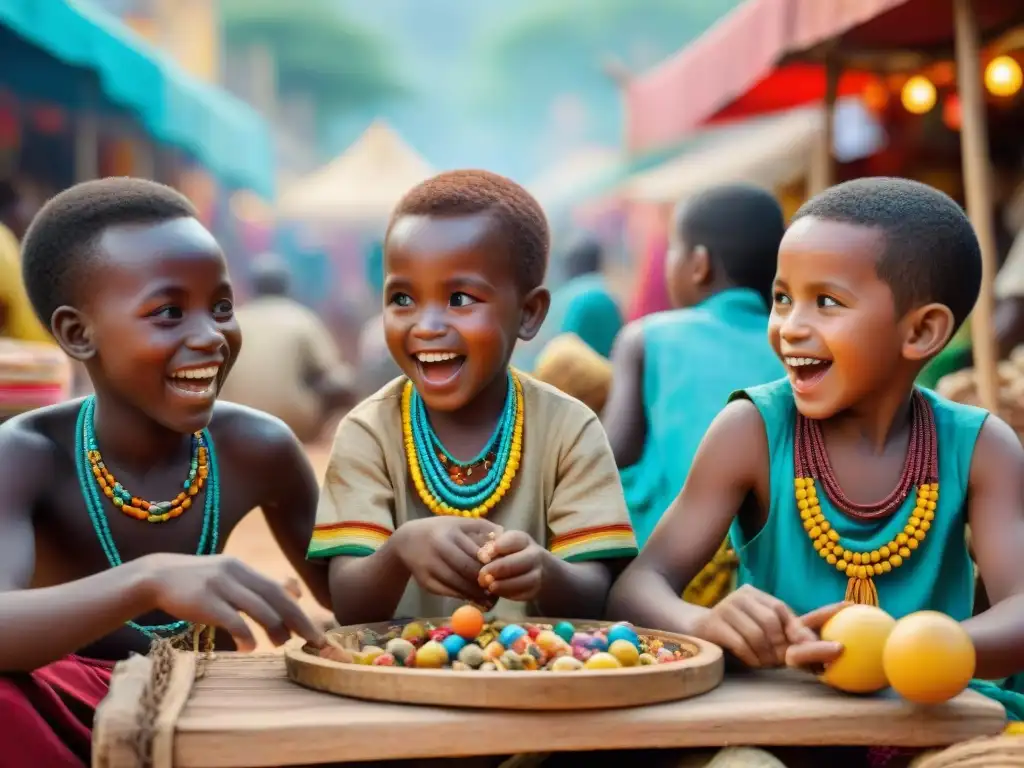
{"type": "Point", "coordinates": [693, 360]}
{"type": "Point", "coordinates": [781, 561]}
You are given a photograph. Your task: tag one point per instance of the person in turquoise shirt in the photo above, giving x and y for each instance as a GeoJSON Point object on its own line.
{"type": "Point", "coordinates": [844, 482]}
{"type": "Point", "coordinates": [674, 371]}
{"type": "Point", "coordinates": [583, 305]}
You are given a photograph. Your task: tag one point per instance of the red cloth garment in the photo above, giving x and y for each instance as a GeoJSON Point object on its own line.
{"type": "Point", "coordinates": [46, 716]}
{"type": "Point", "coordinates": [652, 290]}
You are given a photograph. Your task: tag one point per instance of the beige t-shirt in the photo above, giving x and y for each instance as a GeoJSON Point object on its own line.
{"type": "Point", "coordinates": [283, 345]}
{"type": "Point", "coordinates": [566, 495]}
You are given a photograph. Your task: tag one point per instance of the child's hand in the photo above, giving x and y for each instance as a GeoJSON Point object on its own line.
{"type": "Point", "coordinates": [754, 626]}
{"type": "Point", "coordinates": [513, 566]}
{"type": "Point", "coordinates": [216, 590]}
{"type": "Point", "coordinates": [808, 650]}
{"type": "Point", "coordinates": [441, 554]}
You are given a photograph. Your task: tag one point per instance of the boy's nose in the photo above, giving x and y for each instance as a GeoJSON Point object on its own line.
{"type": "Point", "coordinates": [205, 336]}
{"type": "Point", "coordinates": [430, 325]}
{"type": "Point", "coordinates": [793, 328]}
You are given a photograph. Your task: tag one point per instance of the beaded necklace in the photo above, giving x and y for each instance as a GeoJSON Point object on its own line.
{"type": "Point", "coordinates": [152, 511]}
{"type": "Point", "coordinates": [811, 465]}
{"type": "Point", "coordinates": [85, 443]}
{"type": "Point", "coordinates": [444, 492]}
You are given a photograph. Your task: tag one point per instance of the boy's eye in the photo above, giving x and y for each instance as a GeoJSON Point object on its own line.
{"type": "Point", "coordinates": [460, 299]}
{"type": "Point", "coordinates": [401, 300]}
{"type": "Point", "coordinates": [827, 302]}
{"type": "Point", "coordinates": [223, 307]}
{"type": "Point", "coordinates": [781, 298]}
{"type": "Point", "coordinates": [167, 312]}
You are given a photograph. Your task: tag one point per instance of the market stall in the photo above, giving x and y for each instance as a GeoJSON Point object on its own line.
{"type": "Point", "coordinates": [119, 105]}
{"type": "Point", "coordinates": [764, 42]}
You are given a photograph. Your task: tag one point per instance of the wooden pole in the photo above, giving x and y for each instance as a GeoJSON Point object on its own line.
{"type": "Point", "coordinates": [822, 175]}
{"type": "Point", "coordinates": [975, 158]}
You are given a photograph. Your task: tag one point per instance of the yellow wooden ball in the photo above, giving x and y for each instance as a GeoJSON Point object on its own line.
{"type": "Point", "coordinates": [862, 630]}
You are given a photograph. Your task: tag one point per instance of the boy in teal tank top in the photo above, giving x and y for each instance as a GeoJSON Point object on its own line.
{"type": "Point", "coordinates": [874, 277]}
{"type": "Point", "coordinates": [674, 371]}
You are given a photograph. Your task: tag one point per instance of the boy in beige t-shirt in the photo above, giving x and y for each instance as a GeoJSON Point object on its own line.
{"type": "Point", "coordinates": [460, 447]}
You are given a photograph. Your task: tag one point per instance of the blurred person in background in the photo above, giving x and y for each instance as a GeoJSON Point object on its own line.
{"type": "Point", "coordinates": [34, 372]}
{"type": "Point", "coordinates": [583, 305]}
{"type": "Point", "coordinates": [672, 372]}
{"type": "Point", "coordinates": [376, 365]}
{"type": "Point", "coordinates": [651, 292]}
{"type": "Point", "coordinates": [18, 320]}
{"type": "Point", "coordinates": [289, 365]}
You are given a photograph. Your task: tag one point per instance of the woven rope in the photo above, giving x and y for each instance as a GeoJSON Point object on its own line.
{"type": "Point", "coordinates": [162, 653]}
{"type": "Point", "coordinates": [997, 752]}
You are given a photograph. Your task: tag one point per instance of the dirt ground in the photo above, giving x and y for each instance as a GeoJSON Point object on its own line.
{"type": "Point", "coordinates": [252, 542]}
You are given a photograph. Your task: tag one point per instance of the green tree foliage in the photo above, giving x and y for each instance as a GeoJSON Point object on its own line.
{"type": "Point", "coordinates": [553, 47]}
{"type": "Point", "coordinates": [318, 51]}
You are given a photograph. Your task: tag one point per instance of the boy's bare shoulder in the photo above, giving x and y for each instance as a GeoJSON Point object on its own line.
{"type": "Point", "coordinates": [740, 418]}
{"type": "Point", "coordinates": [255, 436]}
{"type": "Point", "coordinates": [33, 444]}
{"type": "Point", "coordinates": [998, 450]}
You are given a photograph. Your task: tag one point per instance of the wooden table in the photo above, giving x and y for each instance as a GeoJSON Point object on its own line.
{"type": "Point", "coordinates": [245, 712]}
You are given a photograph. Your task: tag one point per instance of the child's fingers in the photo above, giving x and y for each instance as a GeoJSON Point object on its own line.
{"type": "Point", "coordinates": [463, 567]}
{"type": "Point", "coordinates": [816, 619]}
{"type": "Point", "coordinates": [755, 638]}
{"type": "Point", "coordinates": [734, 643]}
{"type": "Point", "coordinates": [813, 656]}
{"type": "Point", "coordinates": [509, 566]}
{"type": "Point", "coordinates": [520, 588]}
{"type": "Point", "coordinates": [293, 587]}
{"type": "Point", "coordinates": [510, 542]}
{"type": "Point", "coordinates": [480, 529]}
{"type": "Point", "coordinates": [772, 625]}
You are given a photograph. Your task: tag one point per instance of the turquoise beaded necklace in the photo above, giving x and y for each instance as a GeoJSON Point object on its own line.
{"type": "Point", "coordinates": [85, 441]}
{"type": "Point", "coordinates": [429, 448]}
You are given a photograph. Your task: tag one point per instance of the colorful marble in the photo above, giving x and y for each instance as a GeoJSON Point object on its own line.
{"type": "Point", "coordinates": [502, 647]}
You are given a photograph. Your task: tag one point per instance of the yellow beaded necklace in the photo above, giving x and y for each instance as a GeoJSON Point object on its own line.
{"type": "Point", "coordinates": [860, 567]}
{"type": "Point", "coordinates": [431, 482]}
{"type": "Point", "coordinates": [920, 471]}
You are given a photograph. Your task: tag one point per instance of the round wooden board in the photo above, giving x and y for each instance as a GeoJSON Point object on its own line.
{"type": "Point", "coordinates": [583, 689]}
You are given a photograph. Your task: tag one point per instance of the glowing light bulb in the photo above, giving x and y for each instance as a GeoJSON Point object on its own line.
{"type": "Point", "coordinates": [918, 95]}
{"type": "Point", "coordinates": [1003, 76]}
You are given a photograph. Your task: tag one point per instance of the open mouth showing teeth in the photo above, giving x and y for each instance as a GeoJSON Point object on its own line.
{"type": "Point", "coordinates": [807, 370]}
{"type": "Point", "coordinates": [439, 367]}
{"type": "Point", "coordinates": [195, 382]}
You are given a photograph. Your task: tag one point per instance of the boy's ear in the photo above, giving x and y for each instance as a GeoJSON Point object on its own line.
{"type": "Point", "coordinates": [701, 265]}
{"type": "Point", "coordinates": [928, 330]}
{"type": "Point", "coordinates": [535, 309]}
{"type": "Point", "coordinates": [73, 333]}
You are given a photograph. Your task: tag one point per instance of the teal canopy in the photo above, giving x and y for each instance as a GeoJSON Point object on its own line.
{"type": "Point", "coordinates": [225, 135]}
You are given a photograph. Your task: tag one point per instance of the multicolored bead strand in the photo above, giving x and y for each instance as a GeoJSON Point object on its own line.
{"type": "Point", "coordinates": [811, 464]}
{"type": "Point", "coordinates": [426, 456]}
{"type": "Point", "coordinates": [85, 436]}
{"type": "Point", "coordinates": [152, 511]}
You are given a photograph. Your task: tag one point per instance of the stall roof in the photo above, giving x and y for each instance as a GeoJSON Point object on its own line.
{"type": "Point", "coordinates": [221, 132]}
{"type": "Point", "coordinates": [767, 151]}
{"type": "Point", "coordinates": [364, 183]}
{"type": "Point", "coordinates": [751, 52]}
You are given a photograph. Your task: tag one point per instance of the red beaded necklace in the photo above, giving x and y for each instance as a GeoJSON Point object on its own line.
{"type": "Point", "coordinates": [811, 460]}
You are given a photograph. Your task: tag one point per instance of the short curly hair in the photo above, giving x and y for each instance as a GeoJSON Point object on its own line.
{"type": "Point", "coordinates": [59, 244]}
{"type": "Point", "coordinates": [931, 252]}
{"type": "Point", "coordinates": [515, 210]}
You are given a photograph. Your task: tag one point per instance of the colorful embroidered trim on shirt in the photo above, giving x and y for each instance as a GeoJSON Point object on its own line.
{"type": "Point", "coordinates": [352, 537]}
{"type": "Point", "coordinates": [600, 542]}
